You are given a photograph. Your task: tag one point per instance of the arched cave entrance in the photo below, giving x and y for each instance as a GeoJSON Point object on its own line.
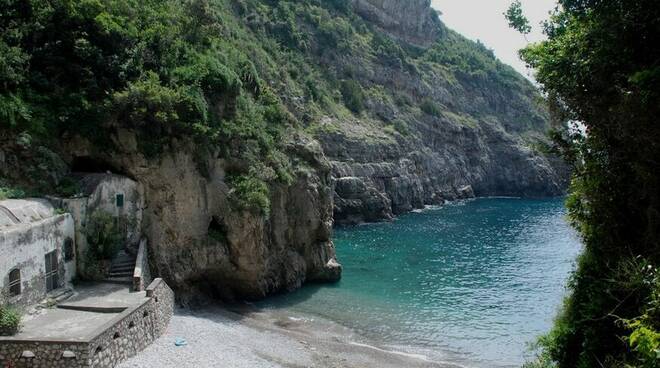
{"type": "Point", "coordinates": [217, 230]}
{"type": "Point", "coordinates": [88, 164]}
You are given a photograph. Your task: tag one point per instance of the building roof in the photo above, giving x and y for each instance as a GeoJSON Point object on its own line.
{"type": "Point", "coordinates": [17, 212]}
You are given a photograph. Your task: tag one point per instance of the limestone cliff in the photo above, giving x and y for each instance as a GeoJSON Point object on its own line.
{"type": "Point", "coordinates": [200, 243]}
{"type": "Point", "coordinates": [480, 136]}
{"type": "Point", "coordinates": [331, 112]}
{"type": "Point", "coordinates": [412, 21]}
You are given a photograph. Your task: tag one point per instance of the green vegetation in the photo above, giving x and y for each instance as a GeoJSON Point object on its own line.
{"type": "Point", "coordinates": [514, 15]}
{"type": "Point", "coordinates": [104, 240]}
{"type": "Point", "coordinates": [250, 193]}
{"type": "Point", "coordinates": [7, 192]}
{"type": "Point", "coordinates": [230, 76]}
{"type": "Point", "coordinates": [431, 108]}
{"type": "Point", "coordinates": [165, 68]}
{"type": "Point", "coordinates": [10, 321]}
{"type": "Point", "coordinates": [353, 95]}
{"type": "Point", "coordinates": [398, 126]}
{"type": "Point", "coordinates": [600, 67]}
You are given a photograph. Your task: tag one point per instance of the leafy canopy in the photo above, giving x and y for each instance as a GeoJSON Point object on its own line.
{"type": "Point", "coordinates": [601, 68]}
{"type": "Point", "coordinates": [514, 15]}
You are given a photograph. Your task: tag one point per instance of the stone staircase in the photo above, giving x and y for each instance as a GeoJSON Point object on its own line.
{"type": "Point", "coordinates": [121, 270]}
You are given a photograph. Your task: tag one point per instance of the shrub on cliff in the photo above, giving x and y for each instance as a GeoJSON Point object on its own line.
{"type": "Point", "coordinates": [431, 108]}
{"type": "Point", "coordinates": [249, 193]}
{"type": "Point", "coordinates": [353, 95]}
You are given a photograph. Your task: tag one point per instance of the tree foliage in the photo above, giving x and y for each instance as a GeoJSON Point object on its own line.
{"type": "Point", "coordinates": [514, 15]}
{"type": "Point", "coordinates": [601, 67]}
{"type": "Point", "coordinates": [226, 76]}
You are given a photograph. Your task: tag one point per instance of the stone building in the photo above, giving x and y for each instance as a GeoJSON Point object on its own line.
{"type": "Point", "coordinates": [42, 249]}
{"type": "Point", "coordinates": [118, 196]}
{"type": "Point", "coordinates": [37, 250]}
{"type": "Point", "coordinates": [115, 195]}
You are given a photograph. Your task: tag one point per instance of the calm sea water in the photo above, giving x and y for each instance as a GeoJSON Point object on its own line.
{"type": "Point", "coordinates": [473, 282]}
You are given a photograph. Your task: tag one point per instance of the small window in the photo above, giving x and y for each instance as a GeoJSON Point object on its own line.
{"type": "Point", "coordinates": [68, 250]}
{"type": "Point", "coordinates": [119, 199]}
{"type": "Point", "coordinates": [15, 282]}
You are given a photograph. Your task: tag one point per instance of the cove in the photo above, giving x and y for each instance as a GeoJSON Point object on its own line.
{"type": "Point", "coordinates": [472, 282]}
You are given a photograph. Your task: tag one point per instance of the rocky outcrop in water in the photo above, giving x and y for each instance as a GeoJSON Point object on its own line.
{"type": "Point", "coordinates": [377, 180]}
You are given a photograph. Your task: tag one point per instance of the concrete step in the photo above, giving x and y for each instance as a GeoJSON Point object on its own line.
{"type": "Point", "coordinates": [127, 261]}
{"type": "Point", "coordinates": [122, 268]}
{"type": "Point", "coordinates": [120, 274]}
{"type": "Point", "coordinates": [123, 264]}
{"type": "Point", "coordinates": [123, 260]}
{"type": "Point", "coordinates": [92, 308]}
{"type": "Point", "coordinates": [119, 280]}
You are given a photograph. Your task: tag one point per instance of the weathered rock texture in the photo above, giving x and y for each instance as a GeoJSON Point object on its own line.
{"type": "Point", "coordinates": [256, 255]}
{"type": "Point", "coordinates": [482, 140]}
{"type": "Point", "coordinates": [476, 136]}
{"type": "Point", "coordinates": [377, 179]}
{"type": "Point", "coordinates": [413, 20]}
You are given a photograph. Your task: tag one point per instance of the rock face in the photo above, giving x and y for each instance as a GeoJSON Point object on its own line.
{"type": "Point", "coordinates": [199, 243]}
{"type": "Point", "coordinates": [479, 141]}
{"type": "Point", "coordinates": [376, 180]}
{"type": "Point", "coordinates": [431, 129]}
{"type": "Point", "coordinates": [413, 20]}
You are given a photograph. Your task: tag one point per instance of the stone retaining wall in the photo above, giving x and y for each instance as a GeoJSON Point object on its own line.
{"type": "Point", "coordinates": [114, 342]}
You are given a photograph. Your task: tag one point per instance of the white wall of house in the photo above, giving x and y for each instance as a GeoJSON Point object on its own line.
{"type": "Point", "coordinates": [100, 193]}
{"type": "Point", "coordinates": [29, 229]}
{"type": "Point", "coordinates": [24, 246]}
{"type": "Point", "coordinates": [104, 197]}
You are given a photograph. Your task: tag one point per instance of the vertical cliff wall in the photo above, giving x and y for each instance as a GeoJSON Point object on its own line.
{"type": "Point", "coordinates": [314, 113]}
{"type": "Point", "coordinates": [201, 243]}
{"type": "Point", "coordinates": [412, 21]}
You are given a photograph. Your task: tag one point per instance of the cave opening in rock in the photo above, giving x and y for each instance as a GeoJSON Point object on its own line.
{"type": "Point", "coordinates": [87, 164]}
{"type": "Point", "coordinates": [217, 230]}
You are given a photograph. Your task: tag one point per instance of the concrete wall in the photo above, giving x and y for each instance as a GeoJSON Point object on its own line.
{"type": "Point", "coordinates": [101, 190]}
{"type": "Point", "coordinates": [103, 198]}
{"type": "Point", "coordinates": [142, 273]}
{"type": "Point", "coordinates": [119, 340]}
{"type": "Point", "coordinates": [24, 246]}
{"type": "Point", "coordinates": [77, 207]}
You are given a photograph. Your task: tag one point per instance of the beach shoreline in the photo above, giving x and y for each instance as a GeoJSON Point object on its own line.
{"type": "Point", "coordinates": [245, 336]}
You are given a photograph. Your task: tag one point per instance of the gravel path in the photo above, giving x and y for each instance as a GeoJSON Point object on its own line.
{"type": "Point", "coordinates": [264, 339]}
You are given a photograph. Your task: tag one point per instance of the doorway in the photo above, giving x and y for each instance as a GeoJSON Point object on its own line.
{"type": "Point", "coordinates": [52, 277]}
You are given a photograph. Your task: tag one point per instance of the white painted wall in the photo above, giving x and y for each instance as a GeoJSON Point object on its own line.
{"type": "Point", "coordinates": [103, 198]}
{"type": "Point", "coordinates": [25, 246]}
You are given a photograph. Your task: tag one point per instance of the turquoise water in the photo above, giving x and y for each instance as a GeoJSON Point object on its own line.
{"type": "Point", "coordinates": [472, 282]}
